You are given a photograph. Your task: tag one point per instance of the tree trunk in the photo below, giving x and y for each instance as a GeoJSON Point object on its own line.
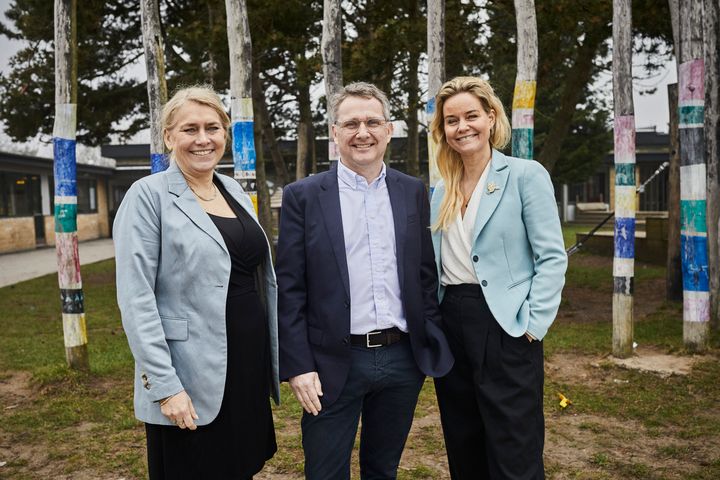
{"type": "Point", "coordinates": [332, 63]}
{"type": "Point", "coordinates": [281, 173]}
{"type": "Point", "coordinates": [625, 184]}
{"type": "Point", "coordinates": [436, 76]}
{"type": "Point", "coordinates": [577, 78]}
{"type": "Point", "coordinates": [693, 183]}
{"type": "Point", "coordinates": [305, 137]}
{"type": "Point", "coordinates": [263, 194]}
{"type": "Point", "coordinates": [64, 135]}
{"type": "Point", "coordinates": [241, 105]}
{"type": "Point", "coordinates": [673, 283]}
{"type": "Point", "coordinates": [711, 30]}
{"type": "Point", "coordinates": [411, 118]}
{"type": "Point", "coordinates": [156, 86]}
{"type": "Point", "coordinates": [523, 106]}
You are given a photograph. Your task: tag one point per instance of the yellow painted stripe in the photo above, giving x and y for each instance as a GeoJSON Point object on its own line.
{"type": "Point", "coordinates": [524, 95]}
{"type": "Point", "coordinates": [74, 329]}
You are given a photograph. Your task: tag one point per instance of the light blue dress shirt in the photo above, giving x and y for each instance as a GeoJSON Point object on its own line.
{"type": "Point", "coordinates": [369, 231]}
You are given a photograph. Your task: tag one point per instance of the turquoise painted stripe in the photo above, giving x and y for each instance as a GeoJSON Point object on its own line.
{"type": "Point", "coordinates": [693, 216]}
{"type": "Point", "coordinates": [692, 114]}
{"type": "Point", "coordinates": [522, 143]}
{"type": "Point", "coordinates": [65, 217]}
{"type": "Point", "coordinates": [625, 174]}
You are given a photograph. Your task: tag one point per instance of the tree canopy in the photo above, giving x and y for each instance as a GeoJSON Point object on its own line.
{"type": "Point", "coordinates": [384, 43]}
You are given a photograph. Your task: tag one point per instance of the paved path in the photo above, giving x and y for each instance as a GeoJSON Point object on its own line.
{"type": "Point", "coordinates": [18, 267]}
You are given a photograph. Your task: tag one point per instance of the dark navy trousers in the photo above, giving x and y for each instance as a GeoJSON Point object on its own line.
{"type": "Point", "coordinates": [382, 388]}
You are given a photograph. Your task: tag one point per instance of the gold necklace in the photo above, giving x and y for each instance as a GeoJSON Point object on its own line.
{"type": "Point", "coordinates": [214, 196]}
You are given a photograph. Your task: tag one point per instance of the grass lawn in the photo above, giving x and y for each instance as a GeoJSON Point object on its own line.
{"type": "Point", "coordinates": [623, 423]}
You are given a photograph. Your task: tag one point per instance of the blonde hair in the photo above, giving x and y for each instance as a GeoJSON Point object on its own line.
{"type": "Point", "coordinates": [200, 94]}
{"type": "Point", "coordinates": [448, 160]}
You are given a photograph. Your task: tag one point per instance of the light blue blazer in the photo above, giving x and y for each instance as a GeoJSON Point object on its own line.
{"type": "Point", "coordinates": [173, 271]}
{"type": "Point", "coordinates": [518, 252]}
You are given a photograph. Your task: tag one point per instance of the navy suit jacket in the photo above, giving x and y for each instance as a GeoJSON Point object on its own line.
{"type": "Point", "coordinates": [313, 286]}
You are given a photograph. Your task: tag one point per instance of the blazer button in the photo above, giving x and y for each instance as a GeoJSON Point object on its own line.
{"type": "Point", "coordinates": [347, 304]}
{"type": "Point", "coordinates": [346, 340]}
{"type": "Point", "coordinates": [475, 258]}
{"type": "Point", "coordinates": [484, 283]}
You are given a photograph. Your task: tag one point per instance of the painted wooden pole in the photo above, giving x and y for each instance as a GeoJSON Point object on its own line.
{"type": "Point", "coordinates": [156, 86]}
{"type": "Point", "coordinates": [523, 106]}
{"type": "Point", "coordinates": [625, 185]}
{"type": "Point", "coordinates": [711, 35]}
{"type": "Point", "coordinates": [673, 278]}
{"type": "Point", "coordinates": [241, 107]}
{"type": "Point", "coordinates": [693, 202]}
{"type": "Point", "coordinates": [436, 76]}
{"type": "Point", "coordinates": [331, 47]}
{"type": "Point", "coordinates": [66, 240]}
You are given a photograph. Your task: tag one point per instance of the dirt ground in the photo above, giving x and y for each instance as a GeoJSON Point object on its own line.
{"type": "Point", "coordinates": [577, 445]}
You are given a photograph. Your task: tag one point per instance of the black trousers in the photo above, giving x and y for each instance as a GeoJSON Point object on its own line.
{"type": "Point", "coordinates": [491, 401]}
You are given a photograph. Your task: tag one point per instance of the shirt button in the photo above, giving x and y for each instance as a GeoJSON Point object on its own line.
{"type": "Point", "coordinates": [475, 258]}
{"type": "Point", "coordinates": [484, 283]}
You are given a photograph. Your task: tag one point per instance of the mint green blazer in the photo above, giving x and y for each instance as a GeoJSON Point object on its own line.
{"type": "Point", "coordinates": [518, 250]}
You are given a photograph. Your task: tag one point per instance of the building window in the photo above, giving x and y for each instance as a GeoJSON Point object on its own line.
{"type": "Point", "coordinates": [87, 196]}
{"type": "Point", "coordinates": [19, 195]}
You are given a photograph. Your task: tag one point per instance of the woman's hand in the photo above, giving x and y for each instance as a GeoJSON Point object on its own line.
{"type": "Point", "coordinates": [179, 409]}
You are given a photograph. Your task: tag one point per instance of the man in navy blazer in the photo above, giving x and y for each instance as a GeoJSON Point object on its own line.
{"type": "Point", "coordinates": [359, 324]}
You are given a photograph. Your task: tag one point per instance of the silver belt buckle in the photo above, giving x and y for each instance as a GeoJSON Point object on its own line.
{"type": "Point", "coordinates": [367, 340]}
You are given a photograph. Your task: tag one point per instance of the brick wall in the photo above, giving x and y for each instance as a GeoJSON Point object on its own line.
{"type": "Point", "coordinates": [17, 234]}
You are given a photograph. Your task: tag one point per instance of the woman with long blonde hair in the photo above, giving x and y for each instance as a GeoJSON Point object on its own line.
{"type": "Point", "coordinates": [501, 263]}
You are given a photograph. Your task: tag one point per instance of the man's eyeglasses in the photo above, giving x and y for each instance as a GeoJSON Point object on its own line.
{"type": "Point", "coordinates": [372, 124]}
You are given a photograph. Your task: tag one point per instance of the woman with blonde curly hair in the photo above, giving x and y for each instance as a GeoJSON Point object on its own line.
{"type": "Point", "coordinates": [501, 263]}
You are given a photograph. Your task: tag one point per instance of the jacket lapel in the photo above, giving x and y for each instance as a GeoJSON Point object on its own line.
{"type": "Point", "coordinates": [186, 202]}
{"type": "Point", "coordinates": [329, 199]}
{"type": "Point", "coordinates": [396, 191]}
{"type": "Point", "coordinates": [493, 192]}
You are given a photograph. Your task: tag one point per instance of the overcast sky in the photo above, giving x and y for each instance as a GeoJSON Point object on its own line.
{"type": "Point", "coordinates": [650, 110]}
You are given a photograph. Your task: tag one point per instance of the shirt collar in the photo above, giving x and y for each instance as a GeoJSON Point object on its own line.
{"type": "Point", "coordinates": [355, 181]}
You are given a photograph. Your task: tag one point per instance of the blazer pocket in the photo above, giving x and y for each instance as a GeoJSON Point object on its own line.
{"type": "Point", "coordinates": [175, 328]}
{"type": "Point", "coordinates": [519, 282]}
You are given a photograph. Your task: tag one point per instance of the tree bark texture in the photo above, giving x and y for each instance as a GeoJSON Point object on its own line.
{"type": "Point", "coordinates": [305, 133]}
{"type": "Point", "coordinates": [693, 183]}
{"type": "Point", "coordinates": [241, 105]}
{"type": "Point", "coordinates": [673, 284]}
{"type": "Point", "coordinates": [331, 47]}
{"type": "Point", "coordinates": [411, 118]}
{"type": "Point", "coordinates": [523, 106]}
{"type": "Point", "coordinates": [65, 167]}
{"type": "Point", "coordinates": [281, 173]}
{"type": "Point", "coordinates": [711, 34]}
{"type": "Point", "coordinates": [263, 193]}
{"type": "Point", "coordinates": [156, 85]}
{"type": "Point", "coordinates": [436, 75]}
{"type": "Point", "coordinates": [625, 184]}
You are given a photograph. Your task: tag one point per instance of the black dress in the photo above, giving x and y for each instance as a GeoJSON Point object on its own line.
{"type": "Point", "coordinates": [241, 438]}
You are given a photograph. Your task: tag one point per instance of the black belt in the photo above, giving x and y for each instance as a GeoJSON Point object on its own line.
{"type": "Point", "coordinates": [378, 338]}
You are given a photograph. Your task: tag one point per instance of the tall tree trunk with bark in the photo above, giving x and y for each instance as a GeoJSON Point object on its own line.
{"type": "Point", "coordinates": [241, 104]}
{"type": "Point", "coordinates": [64, 135]}
{"type": "Point", "coordinates": [261, 128]}
{"type": "Point", "coordinates": [436, 75]}
{"type": "Point", "coordinates": [711, 33]}
{"type": "Point", "coordinates": [411, 118]}
{"type": "Point", "coordinates": [305, 133]}
{"type": "Point", "coordinates": [693, 182]}
{"type": "Point", "coordinates": [523, 106]}
{"type": "Point", "coordinates": [281, 173]}
{"type": "Point", "coordinates": [673, 281]}
{"type": "Point", "coordinates": [156, 86]}
{"type": "Point", "coordinates": [331, 47]}
{"type": "Point", "coordinates": [625, 185]}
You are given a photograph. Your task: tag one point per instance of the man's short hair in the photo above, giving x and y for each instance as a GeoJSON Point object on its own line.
{"type": "Point", "coordinates": [360, 89]}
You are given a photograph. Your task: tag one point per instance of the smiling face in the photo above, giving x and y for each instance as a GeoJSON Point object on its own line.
{"type": "Point", "coordinates": [467, 125]}
{"type": "Point", "coordinates": [362, 149]}
{"type": "Point", "coordinates": [197, 139]}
